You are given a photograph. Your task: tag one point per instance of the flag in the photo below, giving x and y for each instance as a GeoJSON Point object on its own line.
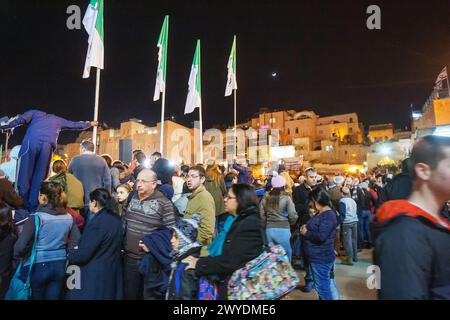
{"type": "Point", "coordinates": [162, 60]}
{"type": "Point", "coordinates": [93, 23]}
{"type": "Point", "coordinates": [231, 80]}
{"type": "Point", "coordinates": [194, 99]}
{"type": "Point", "coordinates": [442, 75]}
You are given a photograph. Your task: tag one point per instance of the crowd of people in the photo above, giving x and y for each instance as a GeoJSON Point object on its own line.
{"type": "Point", "coordinates": [152, 230]}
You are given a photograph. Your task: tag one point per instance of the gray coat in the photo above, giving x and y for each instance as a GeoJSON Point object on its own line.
{"type": "Point", "coordinates": [283, 217]}
{"type": "Point", "coordinates": [92, 171]}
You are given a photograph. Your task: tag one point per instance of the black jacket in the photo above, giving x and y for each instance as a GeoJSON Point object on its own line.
{"type": "Point", "coordinates": [183, 284]}
{"type": "Point", "coordinates": [398, 188]}
{"type": "Point", "coordinates": [300, 196]}
{"type": "Point", "coordinates": [365, 198]}
{"type": "Point", "coordinates": [99, 258]}
{"type": "Point", "coordinates": [243, 243]}
{"type": "Point", "coordinates": [7, 240]}
{"type": "Point", "coordinates": [412, 250]}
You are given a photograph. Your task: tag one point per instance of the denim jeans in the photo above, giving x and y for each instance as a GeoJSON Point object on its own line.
{"type": "Point", "coordinates": [281, 236]}
{"type": "Point", "coordinates": [47, 279]}
{"type": "Point", "coordinates": [324, 283]}
{"type": "Point", "coordinates": [365, 226]}
{"type": "Point", "coordinates": [350, 239]}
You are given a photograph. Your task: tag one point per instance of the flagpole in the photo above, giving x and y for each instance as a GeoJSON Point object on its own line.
{"type": "Point", "coordinates": [8, 134]}
{"type": "Point", "coordinates": [448, 87]}
{"type": "Point", "coordinates": [97, 94]}
{"type": "Point", "coordinates": [200, 108]}
{"type": "Point", "coordinates": [235, 137]}
{"type": "Point", "coordinates": [161, 138]}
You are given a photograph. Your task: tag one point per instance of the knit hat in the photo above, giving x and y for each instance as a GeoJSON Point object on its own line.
{"type": "Point", "coordinates": [277, 180]}
{"type": "Point", "coordinates": [187, 230]}
{"type": "Point", "coordinates": [339, 179]}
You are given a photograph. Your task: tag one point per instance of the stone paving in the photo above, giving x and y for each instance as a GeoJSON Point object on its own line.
{"type": "Point", "coordinates": [350, 280]}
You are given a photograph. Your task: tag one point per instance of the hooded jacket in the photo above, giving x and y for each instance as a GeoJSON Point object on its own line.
{"type": "Point", "coordinates": [155, 266]}
{"type": "Point", "coordinates": [412, 250]}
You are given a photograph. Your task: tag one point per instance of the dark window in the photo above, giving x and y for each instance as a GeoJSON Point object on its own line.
{"type": "Point", "coordinates": [296, 130]}
{"type": "Point", "coordinates": [351, 120]}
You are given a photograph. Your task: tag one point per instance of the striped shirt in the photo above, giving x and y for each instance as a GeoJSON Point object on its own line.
{"type": "Point", "coordinates": [142, 217]}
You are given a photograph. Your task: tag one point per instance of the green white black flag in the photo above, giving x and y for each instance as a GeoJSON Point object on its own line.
{"type": "Point", "coordinates": [162, 60]}
{"type": "Point", "coordinates": [194, 99]}
{"type": "Point", "coordinates": [231, 80]}
{"type": "Point", "coordinates": [93, 23]}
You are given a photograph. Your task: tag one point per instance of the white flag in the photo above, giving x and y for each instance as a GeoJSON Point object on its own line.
{"type": "Point", "coordinates": [231, 79]}
{"type": "Point", "coordinates": [194, 99]}
{"type": "Point", "coordinates": [93, 23]}
{"type": "Point", "coordinates": [443, 75]}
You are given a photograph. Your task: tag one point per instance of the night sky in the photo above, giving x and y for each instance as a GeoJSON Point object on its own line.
{"type": "Point", "coordinates": [325, 58]}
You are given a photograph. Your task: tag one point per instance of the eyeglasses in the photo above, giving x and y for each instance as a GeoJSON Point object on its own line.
{"type": "Point", "coordinates": [145, 181]}
{"type": "Point", "coordinates": [192, 177]}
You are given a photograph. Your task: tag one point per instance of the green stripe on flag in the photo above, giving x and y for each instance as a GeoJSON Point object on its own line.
{"type": "Point", "coordinates": [196, 62]}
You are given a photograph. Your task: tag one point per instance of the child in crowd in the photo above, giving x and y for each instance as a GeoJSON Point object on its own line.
{"type": "Point", "coordinates": [163, 267]}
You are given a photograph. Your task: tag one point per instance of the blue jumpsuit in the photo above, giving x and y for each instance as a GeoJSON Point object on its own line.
{"type": "Point", "coordinates": [36, 152]}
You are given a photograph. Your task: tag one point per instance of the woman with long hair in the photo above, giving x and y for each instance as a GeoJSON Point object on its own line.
{"type": "Point", "coordinates": [72, 188]}
{"type": "Point", "coordinates": [278, 212]}
{"type": "Point", "coordinates": [56, 229]}
{"type": "Point", "coordinates": [319, 234]}
{"type": "Point", "coordinates": [215, 185]}
{"type": "Point", "coordinates": [244, 240]}
{"type": "Point", "coordinates": [98, 253]}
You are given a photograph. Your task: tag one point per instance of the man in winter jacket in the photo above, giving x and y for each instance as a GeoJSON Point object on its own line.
{"type": "Point", "coordinates": [300, 197]}
{"type": "Point", "coordinates": [412, 239]}
{"type": "Point", "coordinates": [91, 170]}
{"type": "Point", "coordinates": [201, 202]}
{"type": "Point", "coordinates": [301, 193]}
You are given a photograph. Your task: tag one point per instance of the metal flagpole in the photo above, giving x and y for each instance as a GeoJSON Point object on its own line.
{"type": "Point", "coordinates": [97, 94]}
{"type": "Point", "coordinates": [200, 107]}
{"type": "Point", "coordinates": [448, 87]}
{"type": "Point", "coordinates": [8, 134]}
{"type": "Point", "coordinates": [161, 138]}
{"type": "Point", "coordinates": [235, 93]}
{"type": "Point", "coordinates": [201, 134]}
{"type": "Point", "coordinates": [235, 137]}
